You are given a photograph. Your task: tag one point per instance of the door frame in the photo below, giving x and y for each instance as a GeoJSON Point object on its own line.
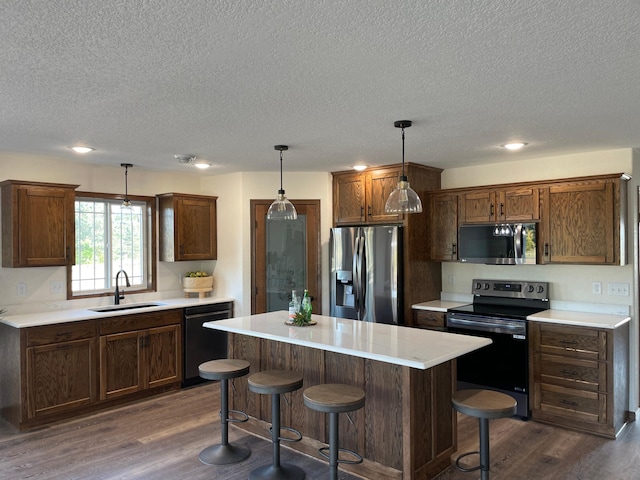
{"type": "Point", "coordinates": [314, 248]}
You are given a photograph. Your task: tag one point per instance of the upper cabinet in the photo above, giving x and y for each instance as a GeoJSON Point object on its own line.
{"type": "Point", "coordinates": [580, 220]}
{"type": "Point", "coordinates": [38, 227]}
{"type": "Point", "coordinates": [359, 197]}
{"type": "Point", "coordinates": [444, 226]}
{"type": "Point", "coordinates": [501, 205]}
{"type": "Point", "coordinates": [188, 228]}
{"type": "Point", "coordinates": [583, 221]}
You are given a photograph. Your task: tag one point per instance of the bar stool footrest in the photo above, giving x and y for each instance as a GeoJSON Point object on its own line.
{"type": "Point", "coordinates": [297, 438]}
{"type": "Point", "coordinates": [358, 458]}
{"type": "Point", "coordinates": [467, 469]}
{"type": "Point", "coordinates": [244, 417]}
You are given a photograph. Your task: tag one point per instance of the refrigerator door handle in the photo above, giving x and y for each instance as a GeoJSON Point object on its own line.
{"type": "Point", "coordinates": [361, 283]}
{"type": "Point", "coordinates": [355, 277]}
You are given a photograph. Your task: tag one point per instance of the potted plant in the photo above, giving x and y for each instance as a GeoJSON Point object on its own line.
{"type": "Point", "coordinates": [197, 280]}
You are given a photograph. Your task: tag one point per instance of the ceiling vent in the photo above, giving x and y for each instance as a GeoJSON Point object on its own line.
{"type": "Point", "coordinates": [185, 158]}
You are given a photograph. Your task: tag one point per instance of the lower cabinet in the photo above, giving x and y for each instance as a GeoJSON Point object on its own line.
{"type": "Point", "coordinates": [579, 377]}
{"type": "Point", "coordinates": [429, 319]}
{"type": "Point", "coordinates": [134, 358]}
{"type": "Point", "coordinates": [58, 371]}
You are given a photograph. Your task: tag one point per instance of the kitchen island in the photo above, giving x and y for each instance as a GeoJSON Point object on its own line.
{"type": "Point", "coordinates": [407, 429]}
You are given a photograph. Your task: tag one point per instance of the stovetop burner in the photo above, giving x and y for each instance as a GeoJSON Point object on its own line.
{"type": "Point", "coordinates": [506, 299]}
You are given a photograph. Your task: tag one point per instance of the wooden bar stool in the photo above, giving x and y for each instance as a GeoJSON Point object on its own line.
{"type": "Point", "coordinates": [484, 405]}
{"type": "Point", "coordinates": [334, 398]}
{"type": "Point", "coordinates": [275, 383]}
{"type": "Point", "coordinates": [225, 453]}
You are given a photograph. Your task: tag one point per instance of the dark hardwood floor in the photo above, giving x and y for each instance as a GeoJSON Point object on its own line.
{"type": "Point", "coordinates": [160, 438]}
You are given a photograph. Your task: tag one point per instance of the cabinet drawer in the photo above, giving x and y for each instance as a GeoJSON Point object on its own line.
{"type": "Point", "coordinates": [128, 323]}
{"type": "Point", "coordinates": [572, 373]}
{"type": "Point", "coordinates": [63, 332]}
{"type": "Point", "coordinates": [429, 319]}
{"type": "Point", "coordinates": [573, 404]}
{"type": "Point", "coordinates": [575, 341]}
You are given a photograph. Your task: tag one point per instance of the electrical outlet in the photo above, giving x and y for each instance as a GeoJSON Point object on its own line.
{"type": "Point", "coordinates": [56, 286]}
{"type": "Point", "coordinates": [596, 288]}
{"type": "Point", "coordinates": [21, 289]}
{"type": "Point", "coordinates": [619, 289]}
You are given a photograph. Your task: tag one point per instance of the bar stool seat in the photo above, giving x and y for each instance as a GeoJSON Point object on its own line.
{"type": "Point", "coordinates": [223, 370]}
{"type": "Point", "coordinates": [483, 405]}
{"type": "Point", "coordinates": [335, 398]}
{"type": "Point", "coordinates": [275, 383]}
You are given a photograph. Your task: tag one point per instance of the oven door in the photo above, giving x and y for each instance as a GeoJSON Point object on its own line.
{"type": "Point", "coordinates": [502, 366]}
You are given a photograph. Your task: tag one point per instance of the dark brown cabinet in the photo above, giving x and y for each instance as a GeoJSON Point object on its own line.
{"type": "Point", "coordinates": [444, 226]}
{"type": "Point", "coordinates": [138, 352]}
{"type": "Point", "coordinates": [38, 226]}
{"type": "Point", "coordinates": [582, 221]}
{"type": "Point", "coordinates": [579, 376]}
{"type": "Point", "coordinates": [429, 319]}
{"type": "Point", "coordinates": [188, 227]}
{"type": "Point", "coordinates": [58, 371]}
{"type": "Point", "coordinates": [60, 368]}
{"type": "Point", "coordinates": [359, 198]}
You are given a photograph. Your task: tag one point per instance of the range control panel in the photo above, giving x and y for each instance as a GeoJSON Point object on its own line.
{"type": "Point", "coordinates": [511, 289]}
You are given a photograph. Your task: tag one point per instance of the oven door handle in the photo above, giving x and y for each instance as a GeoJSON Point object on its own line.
{"type": "Point", "coordinates": [486, 326]}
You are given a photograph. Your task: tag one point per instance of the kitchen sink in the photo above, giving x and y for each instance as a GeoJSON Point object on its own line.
{"type": "Point", "coordinates": [117, 308]}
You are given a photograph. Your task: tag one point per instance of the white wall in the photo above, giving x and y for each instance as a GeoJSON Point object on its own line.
{"type": "Point", "coordinates": [232, 270]}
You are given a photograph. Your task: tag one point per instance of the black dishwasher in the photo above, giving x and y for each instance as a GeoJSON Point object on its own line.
{"type": "Point", "coordinates": [203, 344]}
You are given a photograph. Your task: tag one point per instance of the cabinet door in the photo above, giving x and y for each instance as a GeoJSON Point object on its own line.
{"type": "Point", "coordinates": [518, 204]}
{"type": "Point", "coordinates": [478, 207]}
{"type": "Point", "coordinates": [444, 227]}
{"type": "Point", "coordinates": [163, 352]}
{"type": "Point", "coordinates": [122, 369]}
{"type": "Point", "coordinates": [44, 233]}
{"type": "Point", "coordinates": [349, 198]}
{"type": "Point", "coordinates": [578, 223]}
{"type": "Point", "coordinates": [380, 184]}
{"type": "Point", "coordinates": [196, 229]}
{"type": "Point", "coordinates": [60, 377]}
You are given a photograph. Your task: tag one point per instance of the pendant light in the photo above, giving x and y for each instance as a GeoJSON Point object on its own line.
{"type": "Point", "coordinates": [126, 203]}
{"type": "Point", "coordinates": [281, 208]}
{"type": "Point", "coordinates": [403, 199]}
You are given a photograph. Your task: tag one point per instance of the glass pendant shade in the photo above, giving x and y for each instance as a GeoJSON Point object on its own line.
{"type": "Point", "coordinates": [281, 208]}
{"type": "Point", "coordinates": [403, 199]}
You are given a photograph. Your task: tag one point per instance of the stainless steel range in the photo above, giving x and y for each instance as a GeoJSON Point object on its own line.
{"type": "Point", "coordinates": [499, 311]}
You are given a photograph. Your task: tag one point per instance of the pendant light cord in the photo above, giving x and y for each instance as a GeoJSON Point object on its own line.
{"type": "Point", "coordinates": [403, 152]}
{"type": "Point", "coordinates": [281, 189]}
{"type": "Point", "coordinates": [126, 182]}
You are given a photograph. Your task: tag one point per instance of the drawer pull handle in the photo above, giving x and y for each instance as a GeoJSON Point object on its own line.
{"type": "Point", "coordinates": [569, 402]}
{"type": "Point", "coordinates": [573, 373]}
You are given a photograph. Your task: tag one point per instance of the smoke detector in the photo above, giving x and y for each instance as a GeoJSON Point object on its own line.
{"type": "Point", "coordinates": [185, 158]}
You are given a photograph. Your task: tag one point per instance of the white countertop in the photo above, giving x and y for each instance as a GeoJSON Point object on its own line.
{"type": "Point", "coordinates": [74, 315]}
{"type": "Point", "coordinates": [438, 305]}
{"type": "Point", "coordinates": [411, 347]}
{"type": "Point", "coordinates": [580, 319]}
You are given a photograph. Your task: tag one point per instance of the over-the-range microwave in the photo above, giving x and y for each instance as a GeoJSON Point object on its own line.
{"type": "Point", "coordinates": [497, 243]}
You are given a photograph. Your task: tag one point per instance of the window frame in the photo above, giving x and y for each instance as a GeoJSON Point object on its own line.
{"type": "Point", "coordinates": [151, 253]}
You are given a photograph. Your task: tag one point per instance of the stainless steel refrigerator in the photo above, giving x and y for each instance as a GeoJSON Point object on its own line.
{"type": "Point", "coordinates": [366, 273]}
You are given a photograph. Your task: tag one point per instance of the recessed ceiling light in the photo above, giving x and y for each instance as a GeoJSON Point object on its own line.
{"type": "Point", "coordinates": [82, 149]}
{"type": "Point", "coordinates": [360, 168]}
{"type": "Point", "coordinates": [202, 165]}
{"type": "Point", "coordinates": [514, 145]}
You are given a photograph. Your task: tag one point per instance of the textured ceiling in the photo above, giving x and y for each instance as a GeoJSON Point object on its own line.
{"type": "Point", "coordinates": [226, 80]}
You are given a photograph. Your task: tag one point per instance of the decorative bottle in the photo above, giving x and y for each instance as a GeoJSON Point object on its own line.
{"type": "Point", "coordinates": [293, 306]}
{"type": "Point", "coordinates": [306, 305]}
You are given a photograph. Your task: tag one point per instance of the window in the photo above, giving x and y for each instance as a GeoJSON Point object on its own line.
{"type": "Point", "coordinates": [110, 238]}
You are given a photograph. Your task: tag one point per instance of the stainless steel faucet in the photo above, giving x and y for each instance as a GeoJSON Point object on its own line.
{"type": "Point", "coordinates": [120, 296]}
